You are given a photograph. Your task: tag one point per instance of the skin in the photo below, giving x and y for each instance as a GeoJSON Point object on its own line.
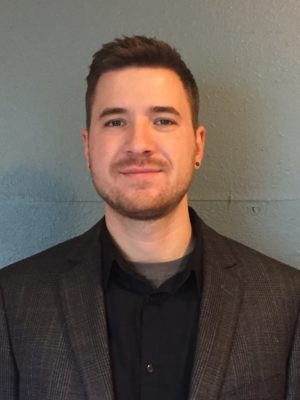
{"type": "Point", "coordinates": [141, 150]}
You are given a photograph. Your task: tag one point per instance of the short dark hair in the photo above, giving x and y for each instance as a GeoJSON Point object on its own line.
{"type": "Point", "coordinates": [139, 51]}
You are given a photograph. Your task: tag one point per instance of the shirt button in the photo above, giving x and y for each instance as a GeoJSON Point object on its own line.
{"type": "Point", "coordinates": [150, 368]}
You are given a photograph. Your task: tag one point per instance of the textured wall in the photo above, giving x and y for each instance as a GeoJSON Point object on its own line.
{"type": "Point", "coordinates": [246, 58]}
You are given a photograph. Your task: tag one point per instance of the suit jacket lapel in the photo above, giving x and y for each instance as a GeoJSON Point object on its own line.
{"type": "Point", "coordinates": [221, 299]}
{"type": "Point", "coordinates": [84, 309]}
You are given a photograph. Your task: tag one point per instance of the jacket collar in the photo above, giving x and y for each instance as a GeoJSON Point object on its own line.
{"type": "Point", "coordinates": [111, 254]}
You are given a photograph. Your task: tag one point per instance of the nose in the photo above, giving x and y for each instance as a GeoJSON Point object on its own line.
{"type": "Point", "coordinates": [140, 139]}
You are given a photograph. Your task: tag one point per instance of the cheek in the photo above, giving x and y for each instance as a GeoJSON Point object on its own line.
{"type": "Point", "coordinates": [183, 152]}
{"type": "Point", "coordinates": [99, 147]}
{"type": "Point", "coordinates": [98, 156]}
{"type": "Point", "coordinates": [103, 153]}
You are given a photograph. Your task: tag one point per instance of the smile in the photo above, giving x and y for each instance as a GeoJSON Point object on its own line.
{"type": "Point", "coordinates": [140, 171]}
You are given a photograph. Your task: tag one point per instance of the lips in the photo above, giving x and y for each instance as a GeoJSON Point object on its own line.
{"type": "Point", "coordinates": [139, 167]}
{"type": "Point", "coordinates": [135, 171]}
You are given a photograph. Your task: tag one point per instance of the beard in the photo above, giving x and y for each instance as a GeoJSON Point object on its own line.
{"type": "Point", "coordinates": [143, 201]}
{"type": "Point", "coordinates": [140, 208]}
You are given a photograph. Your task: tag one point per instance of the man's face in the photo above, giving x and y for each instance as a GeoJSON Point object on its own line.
{"type": "Point", "coordinates": [141, 147]}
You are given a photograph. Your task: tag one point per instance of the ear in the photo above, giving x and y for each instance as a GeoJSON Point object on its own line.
{"type": "Point", "coordinates": [85, 141]}
{"type": "Point", "coordinates": [200, 142]}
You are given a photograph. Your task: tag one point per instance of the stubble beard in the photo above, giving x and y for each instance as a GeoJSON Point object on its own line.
{"type": "Point", "coordinates": [141, 209]}
{"type": "Point", "coordinates": [139, 202]}
{"type": "Point", "coordinates": [137, 206]}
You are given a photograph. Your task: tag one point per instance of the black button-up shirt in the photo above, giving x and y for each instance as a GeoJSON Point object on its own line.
{"type": "Point", "coordinates": [152, 332]}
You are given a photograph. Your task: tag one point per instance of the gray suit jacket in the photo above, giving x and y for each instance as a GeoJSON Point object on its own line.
{"type": "Point", "coordinates": [53, 336]}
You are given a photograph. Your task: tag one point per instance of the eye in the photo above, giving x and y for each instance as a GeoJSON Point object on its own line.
{"type": "Point", "coordinates": [114, 123]}
{"type": "Point", "coordinates": [164, 121]}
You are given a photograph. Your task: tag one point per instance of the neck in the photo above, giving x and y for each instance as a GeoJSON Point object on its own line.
{"type": "Point", "coordinates": [165, 239]}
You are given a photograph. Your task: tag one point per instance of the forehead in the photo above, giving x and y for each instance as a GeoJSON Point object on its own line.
{"type": "Point", "coordinates": [142, 84]}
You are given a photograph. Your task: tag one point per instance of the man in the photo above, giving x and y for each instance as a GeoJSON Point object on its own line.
{"type": "Point", "coordinates": [150, 303]}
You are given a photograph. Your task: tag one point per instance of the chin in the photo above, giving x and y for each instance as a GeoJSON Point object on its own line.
{"type": "Point", "coordinates": [143, 205]}
{"type": "Point", "coordinates": [144, 212]}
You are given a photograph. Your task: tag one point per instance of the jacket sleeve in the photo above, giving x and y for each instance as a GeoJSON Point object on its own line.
{"type": "Point", "coordinates": [8, 370]}
{"type": "Point", "coordinates": [293, 385]}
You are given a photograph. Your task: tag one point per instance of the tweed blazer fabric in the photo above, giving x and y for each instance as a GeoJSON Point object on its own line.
{"type": "Point", "coordinates": [53, 333]}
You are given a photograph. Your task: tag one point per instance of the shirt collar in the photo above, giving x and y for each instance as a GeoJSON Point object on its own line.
{"type": "Point", "coordinates": [112, 255]}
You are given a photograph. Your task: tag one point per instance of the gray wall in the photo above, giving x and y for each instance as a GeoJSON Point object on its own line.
{"type": "Point", "coordinates": [245, 55]}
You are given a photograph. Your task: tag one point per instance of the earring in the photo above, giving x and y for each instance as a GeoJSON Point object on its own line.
{"type": "Point", "coordinates": [197, 164]}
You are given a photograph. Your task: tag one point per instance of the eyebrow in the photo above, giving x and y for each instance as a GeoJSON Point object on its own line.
{"type": "Point", "coordinates": [165, 109]}
{"type": "Point", "coordinates": [112, 110]}
{"type": "Point", "coordinates": [156, 109]}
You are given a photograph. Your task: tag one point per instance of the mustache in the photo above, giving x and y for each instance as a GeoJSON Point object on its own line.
{"type": "Point", "coordinates": [138, 161]}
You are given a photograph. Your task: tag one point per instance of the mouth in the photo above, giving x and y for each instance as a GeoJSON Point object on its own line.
{"type": "Point", "coordinates": [140, 172]}
{"type": "Point", "coordinates": [134, 170]}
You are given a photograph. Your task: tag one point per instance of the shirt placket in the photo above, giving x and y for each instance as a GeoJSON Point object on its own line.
{"type": "Point", "coordinates": [150, 349]}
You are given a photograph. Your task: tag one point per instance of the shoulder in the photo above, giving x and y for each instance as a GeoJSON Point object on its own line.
{"type": "Point", "coordinates": [269, 289]}
{"type": "Point", "coordinates": [252, 267]}
{"type": "Point", "coordinates": [52, 261]}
